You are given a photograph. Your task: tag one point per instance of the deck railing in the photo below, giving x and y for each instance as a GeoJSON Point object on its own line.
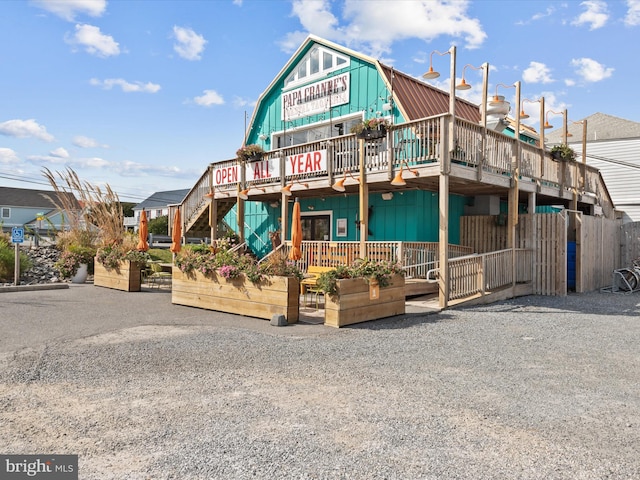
{"type": "Point", "coordinates": [418, 143]}
{"type": "Point", "coordinates": [470, 275]}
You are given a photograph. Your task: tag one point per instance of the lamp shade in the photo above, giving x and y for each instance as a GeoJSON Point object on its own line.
{"type": "Point", "coordinates": [463, 85]}
{"type": "Point", "coordinates": [339, 185]}
{"type": "Point", "coordinates": [398, 180]}
{"type": "Point", "coordinates": [286, 190]}
{"type": "Point", "coordinates": [431, 74]}
{"type": "Point", "coordinates": [244, 194]}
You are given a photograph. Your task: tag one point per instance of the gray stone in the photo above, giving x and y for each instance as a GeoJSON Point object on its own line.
{"type": "Point", "coordinates": [278, 320]}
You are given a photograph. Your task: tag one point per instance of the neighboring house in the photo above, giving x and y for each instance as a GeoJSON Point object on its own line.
{"type": "Point", "coordinates": [157, 205]}
{"type": "Point", "coordinates": [613, 146]}
{"type": "Point", "coordinates": [31, 209]}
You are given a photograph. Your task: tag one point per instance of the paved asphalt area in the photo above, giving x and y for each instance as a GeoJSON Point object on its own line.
{"type": "Point", "coordinates": [530, 388]}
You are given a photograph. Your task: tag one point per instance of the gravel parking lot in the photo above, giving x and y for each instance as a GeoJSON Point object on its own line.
{"type": "Point", "coordinates": [532, 388]}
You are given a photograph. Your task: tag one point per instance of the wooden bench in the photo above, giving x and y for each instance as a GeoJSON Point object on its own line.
{"type": "Point", "coordinates": [308, 284]}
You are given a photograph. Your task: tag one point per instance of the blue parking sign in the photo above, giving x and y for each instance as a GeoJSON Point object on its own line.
{"type": "Point", "coordinates": [17, 235]}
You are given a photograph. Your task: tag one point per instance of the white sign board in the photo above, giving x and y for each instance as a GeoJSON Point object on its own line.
{"type": "Point", "coordinates": [315, 98]}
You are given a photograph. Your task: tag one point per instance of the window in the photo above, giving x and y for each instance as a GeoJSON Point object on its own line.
{"type": "Point", "coordinates": [317, 227]}
{"type": "Point", "coordinates": [317, 131]}
{"type": "Point", "coordinates": [315, 62]}
{"type": "Point", "coordinates": [6, 212]}
{"type": "Point", "coordinates": [310, 66]}
{"type": "Point", "coordinates": [158, 213]}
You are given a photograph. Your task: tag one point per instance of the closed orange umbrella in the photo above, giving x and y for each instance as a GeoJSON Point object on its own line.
{"type": "Point", "coordinates": [143, 233]}
{"type": "Point", "coordinates": [176, 233]}
{"type": "Point", "coordinates": [296, 233]}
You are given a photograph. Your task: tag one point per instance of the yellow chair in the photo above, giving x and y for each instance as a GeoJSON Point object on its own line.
{"type": "Point", "coordinates": [158, 276]}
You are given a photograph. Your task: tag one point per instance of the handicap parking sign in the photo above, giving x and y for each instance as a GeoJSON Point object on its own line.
{"type": "Point", "coordinates": [17, 235]}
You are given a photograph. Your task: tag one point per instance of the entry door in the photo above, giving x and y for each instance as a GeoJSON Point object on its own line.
{"type": "Point", "coordinates": [316, 227]}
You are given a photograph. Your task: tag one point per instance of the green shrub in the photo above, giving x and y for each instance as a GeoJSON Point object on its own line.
{"type": "Point", "coordinates": [8, 259]}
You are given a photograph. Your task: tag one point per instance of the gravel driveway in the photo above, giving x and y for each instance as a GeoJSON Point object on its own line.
{"type": "Point", "coordinates": [532, 388]}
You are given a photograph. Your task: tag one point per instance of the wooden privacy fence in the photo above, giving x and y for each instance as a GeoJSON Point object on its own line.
{"type": "Point", "coordinates": [546, 236]}
{"type": "Point", "coordinates": [629, 244]}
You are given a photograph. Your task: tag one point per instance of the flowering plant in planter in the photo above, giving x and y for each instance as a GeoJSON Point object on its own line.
{"type": "Point", "coordinates": [110, 256]}
{"type": "Point", "coordinates": [229, 264]}
{"type": "Point", "coordinates": [563, 153]}
{"type": "Point", "coordinates": [70, 260]}
{"type": "Point", "coordinates": [375, 123]}
{"type": "Point", "coordinates": [370, 271]}
{"type": "Point", "coordinates": [229, 272]}
{"type": "Point", "coordinates": [250, 152]}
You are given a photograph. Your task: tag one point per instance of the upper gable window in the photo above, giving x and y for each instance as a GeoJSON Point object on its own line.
{"type": "Point", "coordinates": [315, 64]}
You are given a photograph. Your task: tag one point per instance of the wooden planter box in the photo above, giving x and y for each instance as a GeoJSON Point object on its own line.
{"type": "Point", "coordinates": [273, 296]}
{"type": "Point", "coordinates": [127, 277]}
{"type": "Point", "coordinates": [352, 303]}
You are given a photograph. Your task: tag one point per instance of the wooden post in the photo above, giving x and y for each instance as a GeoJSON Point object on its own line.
{"type": "Point", "coordinates": [363, 200]}
{"type": "Point", "coordinates": [447, 145]}
{"type": "Point", "coordinates": [284, 201]}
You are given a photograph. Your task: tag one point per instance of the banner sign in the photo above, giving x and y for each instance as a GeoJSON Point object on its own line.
{"type": "Point", "coordinates": [315, 98]}
{"type": "Point", "coordinates": [310, 162]}
{"type": "Point", "coordinates": [226, 176]}
{"type": "Point", "coordinates": [263, 169]}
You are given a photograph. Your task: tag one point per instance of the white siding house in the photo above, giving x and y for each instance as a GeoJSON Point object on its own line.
{"type": "Point", "coordinates": [157, 205]}
{"type": "Point", "coordinates": [613, 146]}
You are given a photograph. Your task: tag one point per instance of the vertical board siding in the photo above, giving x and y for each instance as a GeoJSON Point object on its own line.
{"type": "Point", "coordinates": [546, 235]}
{"type": "Point", "coordinates": [629, 244]}
{"type": "Point", "coordinates": [598, 250]}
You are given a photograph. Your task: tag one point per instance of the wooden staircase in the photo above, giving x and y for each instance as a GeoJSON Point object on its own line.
{"type": "Point", "coordinates": [197, 225]}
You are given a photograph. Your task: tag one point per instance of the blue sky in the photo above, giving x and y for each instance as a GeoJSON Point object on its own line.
{"type": "Point", "coordinates": [143, 95]}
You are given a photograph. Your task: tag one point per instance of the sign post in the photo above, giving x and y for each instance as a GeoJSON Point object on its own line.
{"type": "Point", "coordinates": [17, 237]}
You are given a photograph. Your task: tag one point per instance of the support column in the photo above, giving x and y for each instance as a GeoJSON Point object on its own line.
{"type": "Point", "coordinates": [363, 200]}
{"type": "Point", "coordinates": [443, 240]}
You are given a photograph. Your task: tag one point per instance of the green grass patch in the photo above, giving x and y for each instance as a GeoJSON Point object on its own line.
{"type": "Point", "coordinates": [162, 254]}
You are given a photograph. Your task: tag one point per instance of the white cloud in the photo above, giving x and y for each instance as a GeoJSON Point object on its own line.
{"type": "Point", "coordinates": [373, 26]}
{"type": "Point", "coordinates": [8, 156]}
{"type": "Point", "coordinates": [189, 44]}
{"type": "Point", "coordinates": [590, 70]}
{"type": "Point", "coordinates": [240, 102]}
{"type": "Point", "coordinates": [94, 41]}
{"type": "Point", "coordinates": [59, 152]}
{"type": "Point", "coordinates": [25, 129]}
{"type": "Point", "coordinates": [126, 87]}
{"type": "Point", "coordinates": [537, 16]}
{"type": "Point", "coordinates": [92, 162]}
{"type": "Point", "coordinates": [537, 73]}
{"type": "Point", "coordinates": [68, 9]}
{"type": "Point", "coordinates": [86, 142]}
{"type": "Point", "coordinates": [210, 97]}
{"type": "Point", "coordinates": [134, 169]}
{"type": "Point", "coordinates": [632, 19]}
{"type": "Point", "coordinates": [48, 159]}
{"type": "Point", "coordinates": [595, 16]}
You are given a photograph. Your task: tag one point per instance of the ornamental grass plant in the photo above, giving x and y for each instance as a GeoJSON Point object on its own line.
{"type": "Point", "coordinates": [94, 224]}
